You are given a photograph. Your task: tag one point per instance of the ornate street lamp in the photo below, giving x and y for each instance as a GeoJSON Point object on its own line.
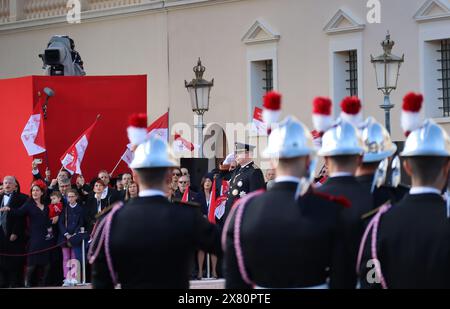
{"type": "Point", "coordinates": [387, 69]}
{"type": "Point", "coordinates": [199, 90]}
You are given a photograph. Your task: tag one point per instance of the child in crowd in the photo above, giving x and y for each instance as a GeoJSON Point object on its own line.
{"type": "Point", "coordinates": [71, 230]}
{"type": "Point", "coordinates": [54, 210]}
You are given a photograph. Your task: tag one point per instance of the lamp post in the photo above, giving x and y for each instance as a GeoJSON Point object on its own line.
{"type": "Point", "coordinates": [387, 69]}
{"type": "Point", "coordinates": [199, 90]}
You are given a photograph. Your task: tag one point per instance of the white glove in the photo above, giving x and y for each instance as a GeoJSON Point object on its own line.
{"type": "Point", "coordinates": [229, 159]}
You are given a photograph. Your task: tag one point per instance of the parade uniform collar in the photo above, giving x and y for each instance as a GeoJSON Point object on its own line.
{"type": "Point", "coordinates": [288, 179]}
{"type": "Point", "coordinates": [341, 174]}
{"type": "Point", "coordinates": [151, 193]}
{"type": "Point", "coordinates": [247, 165]}
{"type": "Point", "coordinates": [424, 190]}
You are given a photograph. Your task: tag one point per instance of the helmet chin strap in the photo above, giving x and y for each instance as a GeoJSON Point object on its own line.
{"type": "Point", "coordinates": [306, 181]}
{"type": "Point", "coordinates": [396, 172]}
{"type": "Point", "coordinates": [380, 175]}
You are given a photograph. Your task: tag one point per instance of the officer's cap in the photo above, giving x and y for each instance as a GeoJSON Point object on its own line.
{"type": "Point", "coordinates": [240, 147]}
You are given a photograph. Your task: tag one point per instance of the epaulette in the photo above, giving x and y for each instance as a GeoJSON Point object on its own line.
{"type": "Point", "coordinates": [341, 200]}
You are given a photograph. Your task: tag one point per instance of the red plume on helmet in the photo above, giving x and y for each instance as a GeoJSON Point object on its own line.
{"type": "Point", "coordinates": [351, 110]}
{"type": "Point", "coordinates": [137, 128]}
{"type": "Point", "coordinates": [410, 118]}
{"type": "Point", "coordinates": [322, 118]}
{"type": "Point", "coordinates": [272, 107]}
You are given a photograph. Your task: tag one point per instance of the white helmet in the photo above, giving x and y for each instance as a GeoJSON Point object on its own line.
{"type": "Point", "coordinates": [342, 139]}
{"type": "Point", "coordinates": [290, 139]}
{"type": "Point", "coordinates": [153, 153]}
{"type": "Point", "coordinates": [429, 140]}
{"type": "Point", "coordinates": [377, 140]}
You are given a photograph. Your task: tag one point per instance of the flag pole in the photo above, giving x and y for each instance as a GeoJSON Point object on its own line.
{"type": "Point", "coordinates": [43, 127]}
{"type": "Point", "coordinates": [115, 167]}
{"type": "Point", "coordinates": [168, 125]}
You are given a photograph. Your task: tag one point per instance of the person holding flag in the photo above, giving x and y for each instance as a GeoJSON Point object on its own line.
{"type": "Point", "coordinates": [71, 160]}
{"type": "Point", "coordinates": [33, 133]}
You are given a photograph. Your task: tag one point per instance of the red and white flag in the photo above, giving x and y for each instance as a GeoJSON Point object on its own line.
{"type": "Point", "coordinates": [258, 125]}
{"type": "Point", "coordinates": [128, 155]}
{"type": "Point", "coordinates": [33, 133]}
{"type": "Point", "coordinates": [180, 144]}
{"type": "Point", "coordinates": [185, 197]}
{"type": "Point", "coordinates": [72, 158]}
{"type": "Point", "coordinates": [160, 127]}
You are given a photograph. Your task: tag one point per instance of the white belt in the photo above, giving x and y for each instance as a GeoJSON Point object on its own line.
{"type": "Point", "coordinates": [323, 286]}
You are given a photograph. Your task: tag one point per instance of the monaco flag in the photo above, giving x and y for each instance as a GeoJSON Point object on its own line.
{"type": "Point", "coordinates": [33, 133]}
{"type": "Point", "coordinates": [160, 127]}
{"type": "Point", "coordinates": [128, 155]}
{"type": "Point", "coordinates": [71, 160]}
{"type": "Point", "coordinates": [258, 125]}
{"type": "Point", "coordinates": [180, 144]}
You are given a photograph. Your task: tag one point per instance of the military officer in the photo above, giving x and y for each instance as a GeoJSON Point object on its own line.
{"type": "Point", "coordinates": [286, 238]}
{"type": "Point", "coordinates": [149, 243]}
{"type": "Point", "coordinates": [410, 245]}
{"type": "Point", "coordinates": [342, 148]}
{"type": "Point", "coordinates": [379, 147]}
{"type": "Point", "coordinates": [246, 178]}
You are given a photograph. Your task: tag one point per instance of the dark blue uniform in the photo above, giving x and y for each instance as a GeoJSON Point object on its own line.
{"type": "Point", "coordinates": [243, 181]}
{"type": "Point", "coordinates": [412, 245]}
{"type": "Point", "coordinates": [361, 204]}
{"type": "Point", "coordinates": [289, 243]}
{"type": "Point", "coordinates": [153, 243]}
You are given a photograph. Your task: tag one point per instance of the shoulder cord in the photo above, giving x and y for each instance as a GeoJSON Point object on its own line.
{"type": "Point", "coordinates": [102, 239]}
{"type": "Point", "coordinates": [373, 226]}
{"type": "Point", "coordinates": [239, 208]}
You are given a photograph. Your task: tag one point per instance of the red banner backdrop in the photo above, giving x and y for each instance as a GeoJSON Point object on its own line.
{"type": "Point", "coordinates": [74, 107]}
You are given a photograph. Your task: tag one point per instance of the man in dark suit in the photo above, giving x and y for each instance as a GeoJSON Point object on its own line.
{"type": "Point", "coordinates": [12, 235]}
{"type": "Point", "coordinates": [411, 248]}
{"type": "Point", "coordinates": [152, 242]}
{"type": "Point", "coordinates": [246, 178]}
{"type": "Point", "coordinates": [343, 149]}
{"type": "Point", "coordinates": [184, 184]}
{"type": "Point", "coordinates": [290, 237]}
{"type": "Point", "coordinates": [111, 195]}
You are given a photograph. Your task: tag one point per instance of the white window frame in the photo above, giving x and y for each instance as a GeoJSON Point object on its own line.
{"type": "Point", "coordinates": [342, 43]}
{"type": "Point", "coordinates": [260, 50]}
{"type": "Point", "coordinates": [432, 30]}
